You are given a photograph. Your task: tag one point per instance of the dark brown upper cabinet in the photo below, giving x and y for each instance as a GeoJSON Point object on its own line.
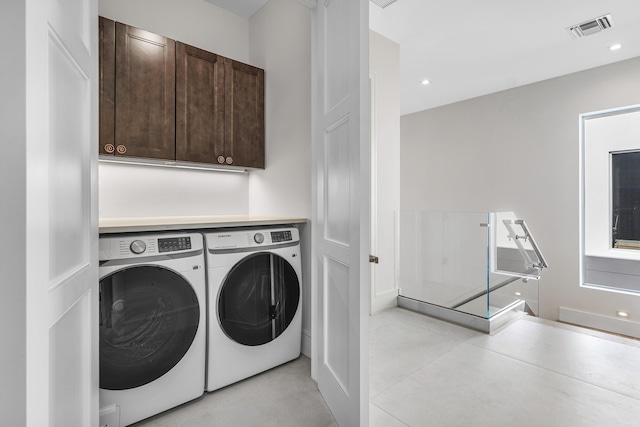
{"type": "Point", "coordinates": [219, 109]}
{"type": "Point", "coordinates": [145, 93]}
{"type": "Point", "coordinates": [162, 99]}
{"type": "Point", "coordinates": [200, 105]}
{"type": "Point", "coordinates": [244, 125]}
{"type": "Point", "coordinates": [137, 92]}
{"type": "Point", "coordinates": [107, 83]}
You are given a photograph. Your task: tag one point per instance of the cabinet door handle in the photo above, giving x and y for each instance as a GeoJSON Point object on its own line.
{"type": "Point", "coordinates": [229, 160]}
{"type": "Point", "coordinates": [109, 148]}
{"type": "Point", "coordinates": [221, 159]}
{"type": "Point", "coordinates": [121, 149]}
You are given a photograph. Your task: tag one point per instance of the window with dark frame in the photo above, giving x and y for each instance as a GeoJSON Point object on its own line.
{"type": "Point", "coordinates": [625, 200]}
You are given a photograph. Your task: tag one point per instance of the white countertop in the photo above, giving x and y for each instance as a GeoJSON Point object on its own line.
{"type": "Point", "coordinates": [142, 224]}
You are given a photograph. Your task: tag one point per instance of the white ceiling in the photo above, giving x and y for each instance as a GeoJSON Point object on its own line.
{"type": "Point", "coordinates": [468, 48]}
{"type": "Point", "coordinates": [244, 8]}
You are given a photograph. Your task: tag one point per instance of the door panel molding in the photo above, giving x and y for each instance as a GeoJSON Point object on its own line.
{"type": "Point", "coordinates": [340, 268]}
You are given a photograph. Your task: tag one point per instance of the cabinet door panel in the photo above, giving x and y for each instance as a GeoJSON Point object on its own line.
{"type": "Point", "coordinates": [199, 105]}
{"type": "Point", "coordinates": [245, 114]}
{"type": "Point", "coordinates": [107, 82]}
{"type": "Point", "coordinates": [145, 94]}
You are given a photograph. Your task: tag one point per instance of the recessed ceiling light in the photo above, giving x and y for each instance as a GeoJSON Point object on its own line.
{"type": "Point", "coordinates": [425, 82]}
{"type": "Point", "coordinates": [615, 46]}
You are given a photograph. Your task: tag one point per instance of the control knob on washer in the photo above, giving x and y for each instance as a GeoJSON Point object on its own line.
{"type": "Point", "coordinates": [258, 238]}
{"type": "Point", "coordinates": [138, 246]}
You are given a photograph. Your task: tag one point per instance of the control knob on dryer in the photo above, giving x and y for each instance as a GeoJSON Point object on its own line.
{"type": "Point", "coordinates": [258, 238]}
{"type": "Point", "coordinates": [138, 246]}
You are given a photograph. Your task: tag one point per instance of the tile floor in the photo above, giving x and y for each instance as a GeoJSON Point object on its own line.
{"type": "Point", "coordinates": [282, 397]}
{"type": "Point", "coordinates": [424, 372]}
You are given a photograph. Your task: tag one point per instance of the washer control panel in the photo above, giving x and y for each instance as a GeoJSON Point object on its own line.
{"type": "Point", "coordinates": [173, 244]}
{"type": "Point", "coordinates": [124, 246]}
{"type": "Point", "coordinates": [132, 247]}
{"type": "Point", "coordinates": [138, 246]}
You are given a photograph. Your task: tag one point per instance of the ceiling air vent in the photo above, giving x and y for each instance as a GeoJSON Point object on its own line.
{"type": "Point", "coordinates": [591, 27]}
{"type": "Point", "coordinates": [383, 3]}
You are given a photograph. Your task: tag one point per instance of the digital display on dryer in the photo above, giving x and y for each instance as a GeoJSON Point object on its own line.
{"type": "Point", "coordinates": [281, 236]}
{"type": "Point", "coordinates": [172, 244]}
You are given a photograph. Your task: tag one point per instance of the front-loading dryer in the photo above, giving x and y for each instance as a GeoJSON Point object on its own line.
{"type": "Point", "coordinates": [254, 302]}
{"type": "Point", "coordinates": [152, 324]}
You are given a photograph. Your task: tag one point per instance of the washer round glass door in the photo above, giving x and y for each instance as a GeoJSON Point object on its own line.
{"type": "Point", "coordinates": [148, 320]}
{"type": "Point", "coordinates": [258, 299]}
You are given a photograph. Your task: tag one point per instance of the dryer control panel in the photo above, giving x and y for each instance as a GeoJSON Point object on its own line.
{"type": "Point", "coordinates": [281, 236]}
{"type": "Point", "coordinates": [245, 239]}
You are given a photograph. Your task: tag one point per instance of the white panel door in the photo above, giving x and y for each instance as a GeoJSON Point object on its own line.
{"type": "Point", "coordinates": [341, 208]}
{"type": "Point", "coordinates": [62, 236]}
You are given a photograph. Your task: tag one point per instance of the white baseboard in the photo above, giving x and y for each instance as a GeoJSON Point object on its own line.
{"type": "Point", "coordinates": [384, 300]}
{"type": "Point", "coordinates": [599, 321]}
{"type": "Point", "coordinates": [306, 343]}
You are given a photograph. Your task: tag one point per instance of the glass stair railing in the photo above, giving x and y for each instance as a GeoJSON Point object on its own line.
{"type": "Point", "coordinates": [468, 268]}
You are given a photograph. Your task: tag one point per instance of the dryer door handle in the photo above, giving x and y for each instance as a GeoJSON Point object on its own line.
{"type": "Point", "coordinates": [274, 310]}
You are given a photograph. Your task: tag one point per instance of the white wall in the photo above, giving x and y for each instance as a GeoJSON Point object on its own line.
{"type": "Point", "coordinates": [280, 40]}
{"type": "Point", "coordinates": [280, 35]}
{"type": "Point", "coordinates": [384, 69]}
{"type": "Point", "coordinates": [133, 191]}
{"type": "Point", "coordinates": [518, 150]}
{"type": "Point", "coordinates": [136, 191]}
{"type": "Point", "coordinates": [195, 22]}
{"type": "Point", "coordinates": [13, 210]}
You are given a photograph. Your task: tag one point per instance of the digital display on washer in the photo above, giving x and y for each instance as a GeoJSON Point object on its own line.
{"type": "Point", "coordinates": [280, 236]}
{"type": "Point", "coordinates": [171, 244]}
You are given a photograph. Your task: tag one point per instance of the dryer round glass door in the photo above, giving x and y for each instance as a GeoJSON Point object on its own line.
{"type": "Point", "coordinates": [148, 319]}
{"type": "Point", "coordinates": [258, 299]}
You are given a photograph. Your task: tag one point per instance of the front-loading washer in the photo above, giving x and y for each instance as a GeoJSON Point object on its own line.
{"type": "Point", "coordinates": [254, 281]}
{"type": "Point", "coordinates": [152, 324]}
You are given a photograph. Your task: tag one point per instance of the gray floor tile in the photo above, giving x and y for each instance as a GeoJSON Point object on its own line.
{"type": "Point", "coordinates": [475, 387]}
{"type": "Point", "coordinates": [403, 343]}
{"type": "Point", "coordinates": [599, 361]}
{"type": "Point", "coordinates": [285, 396]}
{"type": "Point", "coordinates": [409, 318]}
{"type": "Point", "coordinates": [380, 418]}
